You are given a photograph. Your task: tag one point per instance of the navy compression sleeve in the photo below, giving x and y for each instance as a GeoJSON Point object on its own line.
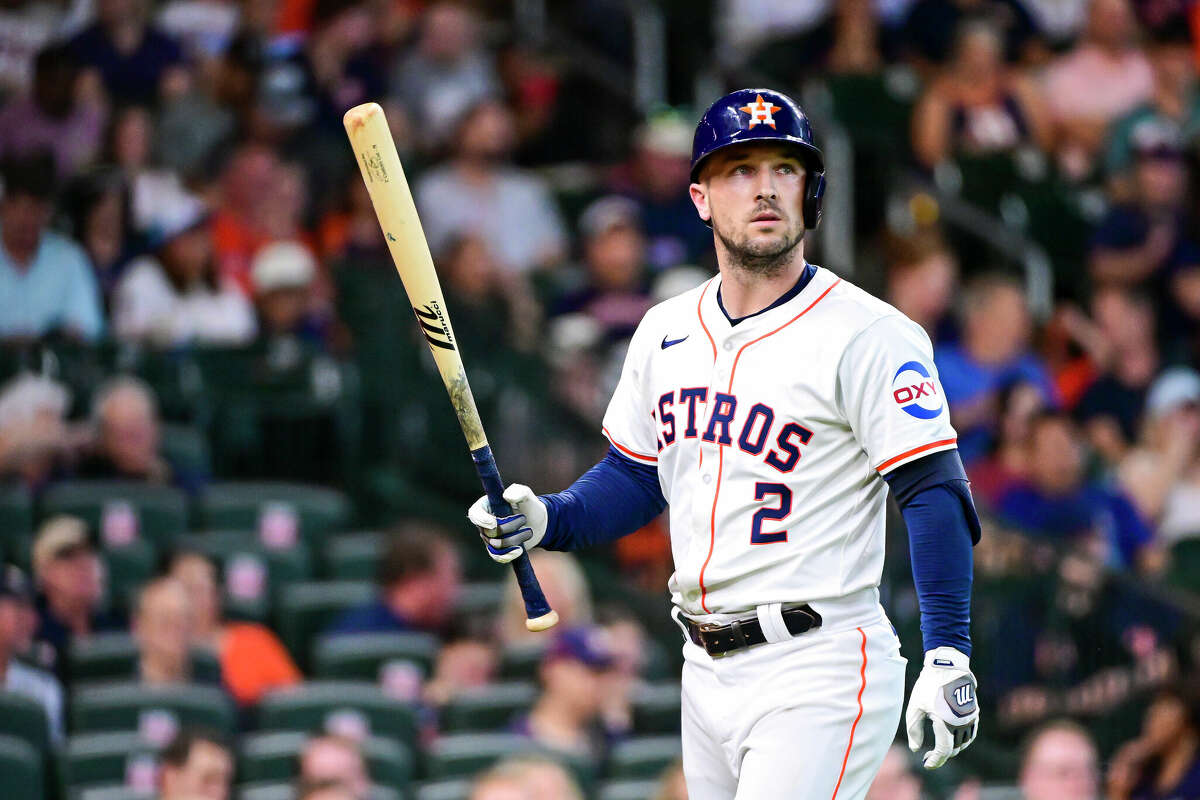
{"type": "Point", "coordinates": [610, 500]}
{"type": "Point", "coordinates": [935, 500]}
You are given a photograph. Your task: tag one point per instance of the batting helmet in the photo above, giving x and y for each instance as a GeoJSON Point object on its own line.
{"type": "Point", "coordinates": [751, 115]}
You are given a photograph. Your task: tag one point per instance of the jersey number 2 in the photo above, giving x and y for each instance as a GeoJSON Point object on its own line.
{"type": "Point", "coordinates": [761, 490]}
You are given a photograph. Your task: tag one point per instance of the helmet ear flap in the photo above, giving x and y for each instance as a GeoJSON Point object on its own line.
{"type": "Point", "coordinates": [814, 192]}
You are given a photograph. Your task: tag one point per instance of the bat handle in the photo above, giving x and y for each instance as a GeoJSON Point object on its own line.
{"type": "Point", "coordinates": [538, 614]}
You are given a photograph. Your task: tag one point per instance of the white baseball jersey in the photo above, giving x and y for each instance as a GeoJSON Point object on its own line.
{"type": "Point", "coordinates": [770, 438]}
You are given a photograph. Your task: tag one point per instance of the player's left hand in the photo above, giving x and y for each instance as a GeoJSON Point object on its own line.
{"type": "Point", "coordinates": [945, 694]}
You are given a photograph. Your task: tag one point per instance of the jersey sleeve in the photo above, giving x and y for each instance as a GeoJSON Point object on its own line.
{"type": "Point", "coordinates": [890, 393]}
{"type": "Point", "coordinates": [628, 421]}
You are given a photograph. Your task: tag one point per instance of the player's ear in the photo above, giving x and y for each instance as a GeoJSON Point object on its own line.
{"type": "Point", "coordinates": [700, 199]}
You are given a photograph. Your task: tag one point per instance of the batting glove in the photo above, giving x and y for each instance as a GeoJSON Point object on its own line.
{"type": "Point", "coordinates": [945, 693]}
{"type": "Point", "coordinates": [506, 538]}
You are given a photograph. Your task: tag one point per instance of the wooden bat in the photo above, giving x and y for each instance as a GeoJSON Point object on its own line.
{"type": "Point", "coordinates": [376, 154]}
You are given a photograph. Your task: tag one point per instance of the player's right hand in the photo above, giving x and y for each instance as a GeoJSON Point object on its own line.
{"type": "Point", "coordinates": [506, 538]}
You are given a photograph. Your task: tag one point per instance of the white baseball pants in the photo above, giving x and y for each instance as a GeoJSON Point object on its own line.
{"type": "Point", "coordinates": [809, 718]}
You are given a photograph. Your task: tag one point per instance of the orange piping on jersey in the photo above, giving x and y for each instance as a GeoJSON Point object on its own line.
{"type": "Point", "coordinates": [861, 687]}
{"type": "Point", "coordinates": [914, 451]}
{"type": "Point", "coordinates": [700, 316]}
{"type": "Point", "coordinates": [627, 451]}
{"type": "Point", "coordinates": [712, 525]}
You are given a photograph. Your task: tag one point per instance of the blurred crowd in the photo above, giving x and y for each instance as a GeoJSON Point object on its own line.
{"type": "Point", "coordinates": [177, 184]}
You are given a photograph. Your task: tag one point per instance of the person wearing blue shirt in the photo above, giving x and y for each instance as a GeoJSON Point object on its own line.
{"type": "Point", "coordinates": [46, 281]}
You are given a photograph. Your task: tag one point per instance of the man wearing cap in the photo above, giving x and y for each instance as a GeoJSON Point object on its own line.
{"type": "Point", "coordinates": [46, 280]}
{"type": "Point", "coordinates": [283, 275]}
{"type": "Point", "coordinates": [16, 635]}
{"type": "Point", "coordinates": [68, 574]}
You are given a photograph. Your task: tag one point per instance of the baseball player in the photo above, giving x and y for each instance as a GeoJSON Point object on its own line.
{"type": "Point", "coordinates": [773, 409]}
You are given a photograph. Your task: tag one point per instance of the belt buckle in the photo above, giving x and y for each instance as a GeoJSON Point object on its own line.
{"type": "Point", "coordinates": [705, 628]}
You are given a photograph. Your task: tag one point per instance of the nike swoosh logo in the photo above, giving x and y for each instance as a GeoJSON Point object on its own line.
{"type": "Point", "coordinates": [671, 342]}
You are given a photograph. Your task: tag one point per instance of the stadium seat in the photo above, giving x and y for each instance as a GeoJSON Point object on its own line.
{"type": "Point", "coordinates": [305, 610]}
{"type": "Point", "coordinates": [122, 511]}
{"type": "Point", "coordinates": [113, 656]}
{"type": "Point", "coordinates": [186, 448]}
{"type": "Point", "coordinates": [129, 567]}
{"type": "Point", "coordinates": [521, 661]}
{"type": "Point", "coordinates": [628, 790]}
{"type": "Point", "coordinates": [277, 512]}
{"type": "Point", "coordinates": [365, 656]}
{"type": "Point", "coordinates": [272, 756]}
{"type": "Point", "coordinates": [253, 572]}
{"type": "Point", "coordinates": [443, 790]}
{"type": "Point", "coordinates": [113, 793]}
{"type": "Point", "coordinates": [353, 708]}
{"type": "Point", "coordinates": [21, 766]}
{"type": "Point", "coordinates": [24, 718]}
{"type": "Point", "coordinates": [465, 754]}
{"type": "Point", "coordinates": [656, 708]}
{"type": "Point", "coordinates": [16, 525]}
{"type": "Point", "coordinates": [287, 791]}
{"type": "Point", "coordinates": [487, 708]}
{"type": "Point", "coordinates": [644, 757]}
{"type": "Point", "coordinates": [107, 758]}
{"type": "Point", "coordinates": [1184, 565]}
{"type": "Point", "coordinates": [355, 556]}
{"type": "Point", "coordinates": [480, 599]}
{"type": "Point", "coordinates": [154, 712]}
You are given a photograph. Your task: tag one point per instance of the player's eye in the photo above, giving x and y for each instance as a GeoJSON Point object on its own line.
{"type": "Point", "coordinates": [787, 169]}
{"type": "Point", "coordinates": [743, 169]}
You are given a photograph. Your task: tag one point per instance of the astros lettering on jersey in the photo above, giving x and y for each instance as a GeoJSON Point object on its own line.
{"type": "Point", "coordinates": [768, 437]}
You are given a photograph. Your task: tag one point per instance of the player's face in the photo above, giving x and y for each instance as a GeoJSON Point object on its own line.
{"type": "Point", "coordinates": [753, 195]}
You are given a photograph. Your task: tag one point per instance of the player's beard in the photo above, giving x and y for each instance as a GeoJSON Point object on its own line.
{"type": "Point", "coordinates": [758, 257]}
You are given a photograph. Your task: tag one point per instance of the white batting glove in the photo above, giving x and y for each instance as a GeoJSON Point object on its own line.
{"type": "Point", "coordinates": [506, 538]}
{"type": "Point", "coordinates": [945, 694]}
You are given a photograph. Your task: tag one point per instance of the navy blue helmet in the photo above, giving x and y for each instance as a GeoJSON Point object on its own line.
{"type": "Point", "coordinates": [749, 115]}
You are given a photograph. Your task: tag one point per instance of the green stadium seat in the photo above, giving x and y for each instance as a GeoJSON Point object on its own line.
{"type": "Point", "coordinates": [354, 708]}
{"type": "Point", "coordinates": [287, 791]}
{"type": "Point", "coordinates": [644, 757]}
{"type": "Point", "coordinates": [113, 657]}
{"type": "Point", "coordinates": [522, 661]}
{"type": "Point", "coordinates": [253, 572]}
{"type": "Point", "coordinates": [277, 512]}
{"type": "Point", "coordinates": [113, 793]}
{"type": "Point", "coordinates": [154, 712]}
{"type": "Point", "coordinates": [186, 447]}
{"type": "Point", "coordinates": [108, 758]}
{"type": "Point", "coordinates": [1184, 565]}
{"type": "Point", "coordinates": [24, 718]}
{"type": "Point", "coordinates": [272, 756]}
{"type": "Point", "coordinates": [305, 610]}
{"type": "Point", "coordinates": [368, 656]}
{"type": "Point", "coordinates": [129, 567]}
{"type": "Point", "coordinates": [354, 556]}
{"type": "Point", "coordinates": [480, 599]}
{"type": "Point", "coordinates": [465, 754]}
{"type": "Point", "coordinates": [443, 790]}
{"type": "Point", "coordinates": [16, 525]}
{"type": "Point", "coordinates": [21, 768]}
{"type": "Point", "coordinates": [487, 708]}
{"type": "Point", "coordinates": [122, 511]}
{"type": "Point", "coordinates": [628, 790]}
{"type": "Point", "coordinates": [656, 708]}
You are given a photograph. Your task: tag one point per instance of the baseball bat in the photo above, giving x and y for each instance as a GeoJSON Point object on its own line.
{"type": "Point", "coordinates": [379, 162]}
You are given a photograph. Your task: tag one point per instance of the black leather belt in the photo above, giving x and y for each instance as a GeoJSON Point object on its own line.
{"type": "Point", "coordinates": [721, 639]}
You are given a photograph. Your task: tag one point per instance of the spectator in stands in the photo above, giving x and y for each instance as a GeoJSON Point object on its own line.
{"type": "Point", "coordinates": [1164, 761]}
{"type": "Point", "coordinates": [1162, 474]}
{"type": "Point", "coordinates": [492, 308]}
{"type": "Point", "coordinates": [45, 278]}
{"type": "Point", "coordinates": [16, 604]}
{"type": "Point", "coordinates": [52, 117]}
{"type": "Point", "coordinates": [155, 193]}
{"type": "Point", "coordinates": [283, 274]}
{"type": "Point", "coordinates": [930, 28]}
{"type": "Point", "coordinates": [566, 716]}
{"type": "Point", "coordinates": [671, 785]}
{"type": "Point", "coordinates": [896, 779]}
{"type": "Point", "coordinates": [69, 578]}
{"type": "Point", "coordinates": [162, 626]}
{"type": "Point", "coordinates": [239, 222]}
{"type": "Point", "coordinates": [464, 663]}
{"type": "Point", "coordinates": [325, 790]}
{"type": "Point", "coordinates": [336, 761]}
{"type": "Point", "coordinates": [1059, 762]}
{"type": "Point", "coordinates": [253, 660]}
{"type": "Point", "coordinates": [478, 192]}
{"type": "Point", "coordinates": [102, 221]}
{"type": "Point", "coordinates": [1108, 56]}
{"type": "Point", "coordinates": [196, 765]}
{"type": "Point", "coordinates": [993, 353]}
{"type": "Point", "coordinates": [1007, 465]}
{"type": "Point", "coordinates": [419, 579]}
{"type": "Point", "coordinates": [566, 590]}
{"type": "Point", "coordinates": [446, 73]}
{"type": "Point", "coordinates": [128, 438]}
{"type": "Point", "coordinates": [497, 785]}
{"type": "Point", "coordinates": [1059, 504]}
{"type": "Point", "coordinates": [26, 28]}
{"type": "Point", "coordinates": [37, 445]}
{"type": "Point", "coordinates": [175, 297]}
{"type": "Point", "coordinates": [976, 107]}
{"type": "Point", "coordinates": [615, 292]}
{"type": "Point", "coordinates": [922, 277]}
{"type": "Point", "coordinates": [1140, 242]}
{"type": "Point", "coordinates": [535, 778]}
{"type": "Point", "coordinates": [136, 61]}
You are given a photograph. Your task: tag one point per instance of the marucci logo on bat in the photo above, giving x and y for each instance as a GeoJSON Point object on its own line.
{"type": "Point", "coordinates": [437, 335]}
